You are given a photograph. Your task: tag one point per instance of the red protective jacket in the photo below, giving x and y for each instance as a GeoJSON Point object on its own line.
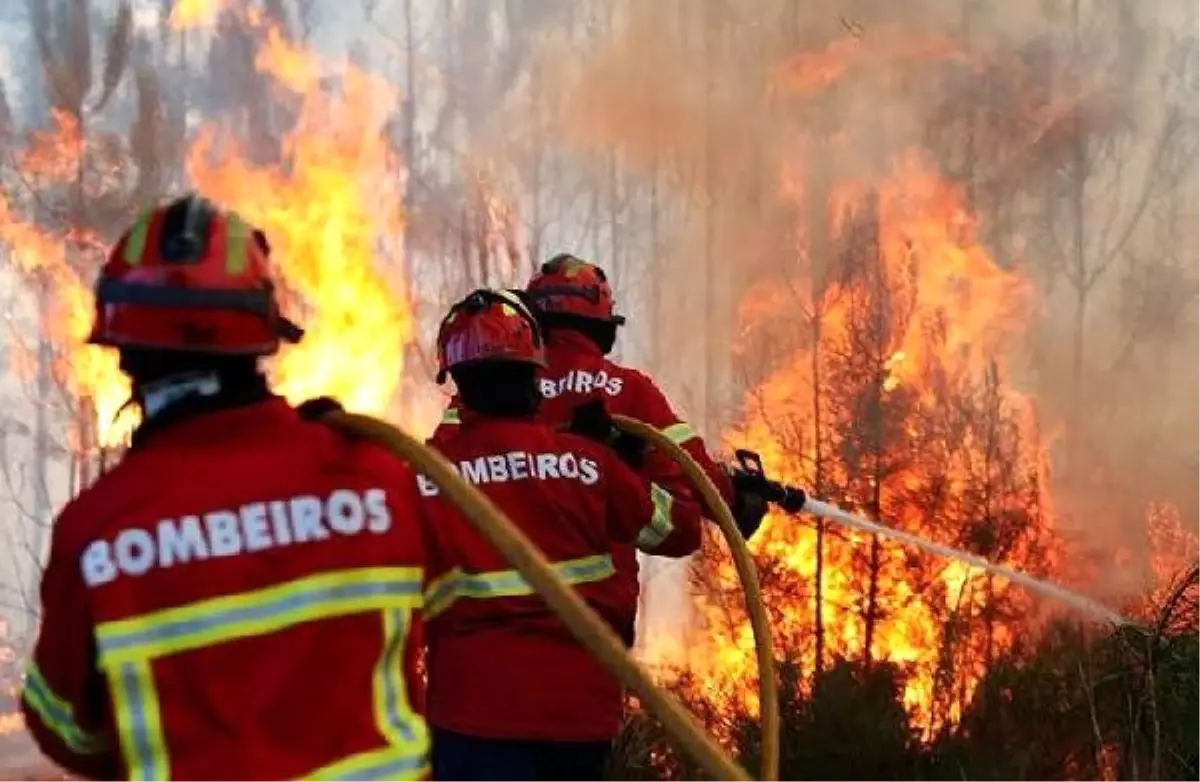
{"type": "Point", "coordinates": [501, 665]}
{"type": "Point", "coordinates": [577, 372]}
{"type": "Point", "coordinates": [236, 600]}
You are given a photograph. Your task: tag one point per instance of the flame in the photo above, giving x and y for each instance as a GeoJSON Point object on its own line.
{"type": "Point", "coordinates": [1172, 550]}
{"type": "Point", "coordinates": [940, 313]}
{"type": "Point", "coordinates": [189, 14]}
{"type": "Point", "coordinates": [59, 260]}
{"type": "Point", "coordinates": [12, 722]}
{"type": "Point", "coordinates": [920, 425]}
{"type": "Point", "coordinates": [329, 211]}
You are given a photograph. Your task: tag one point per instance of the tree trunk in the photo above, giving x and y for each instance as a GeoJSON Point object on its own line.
{"type": "Point", "coordinates": [870, 613]}
{"type": "Point", "coordinates": [711, 334]}
{"type": "Point", "coordinates": [817, 232]}
{"type": "Point", "coordinates": [1079, 277]}
{"type": "Point", "coordinates": [41, 437]}
{"type": "Point", "coordinates": [875, 444]}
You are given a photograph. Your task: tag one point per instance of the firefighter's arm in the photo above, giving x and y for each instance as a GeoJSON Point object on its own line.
{"type": "Point", "coordinates": [440, 525]}
{"type": "Point", "coordinates": [656, 410]}
{"type": "Point", "coordinates": [64, 698]}
{"type": "Point", "coordinates": [648, 515]}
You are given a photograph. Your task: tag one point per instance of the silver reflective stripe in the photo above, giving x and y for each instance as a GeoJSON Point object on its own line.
{"type": "Point", "coordinates": [660, 526]}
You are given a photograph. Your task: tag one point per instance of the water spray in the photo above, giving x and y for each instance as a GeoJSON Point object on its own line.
{"type": "Point", "coordinates": [795, 500]}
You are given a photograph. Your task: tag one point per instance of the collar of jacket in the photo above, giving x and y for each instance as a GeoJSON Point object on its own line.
{"type": "Point", "coordinates": [205, 398]}
{"type": "Point", "coordinates": [567, 340]}
{"type": "Point", "coordinates": [469, 417]}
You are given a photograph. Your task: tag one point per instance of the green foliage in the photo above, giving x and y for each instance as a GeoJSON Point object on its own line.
{"type": "Point", "coordinates": [853, 726]}
{"type": "Point", "coordinates": [1077, 704]}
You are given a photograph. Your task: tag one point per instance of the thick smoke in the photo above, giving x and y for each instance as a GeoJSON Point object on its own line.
{"type": "Point", "coordinates": [1070, 129]}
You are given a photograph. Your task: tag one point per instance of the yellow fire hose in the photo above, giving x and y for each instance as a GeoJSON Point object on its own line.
{"type": "Point", "coordinates": [580, 619]}
{"type": "Point", "coordinates": [768, 689]}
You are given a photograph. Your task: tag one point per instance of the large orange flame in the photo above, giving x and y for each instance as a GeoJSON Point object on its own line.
{"type": "Point", "coordinates": [330, 210]}
{"type": "Point", "coordinates": [908, 356]}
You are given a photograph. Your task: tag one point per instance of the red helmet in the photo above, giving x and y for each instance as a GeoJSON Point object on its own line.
{"type": "Point", "coordinates": [189, 276]}
{"type": "Point", "coordinates": [488, 325]}
{"type": "Point", "coordinates": [571, 286]}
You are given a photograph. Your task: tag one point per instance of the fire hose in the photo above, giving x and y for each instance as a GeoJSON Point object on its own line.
{"type": "Point", "coordinates": [582, 621]}
{"type": "Point", "coordinates": [768, 688]}
{"type": "Point", "coordinates": [794, 500]}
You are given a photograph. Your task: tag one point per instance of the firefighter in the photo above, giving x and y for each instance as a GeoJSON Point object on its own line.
{"type": "Point", "coordinates": [233, 600]}
{"type": "Point", "coordinates": [574, 304]}
{"type": "Point", "coordinates": [512, 695]}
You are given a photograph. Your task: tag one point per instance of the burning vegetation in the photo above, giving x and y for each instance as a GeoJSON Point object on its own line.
{"type": "Point", "coordinates": [326, 201]}
{"type": "Point", "coordinates": [893, 402]}
{"type": "Point", "coordinates": [885, 343]}
{"type": "Point", "coordinates": [880, 326]}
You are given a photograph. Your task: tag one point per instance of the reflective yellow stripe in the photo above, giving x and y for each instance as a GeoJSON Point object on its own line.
{"type": "Point", "coordinates": [660, 526]}
{"type": "Point", "coordinates": [139, 721]}
{"type": "Point", "coordinates": [386, 763]}
{"type": "Point", "coordinates": [136, 244]}
{"type": "Point", "coordinates": [58, 715]}
{"type": "Point", "coordinates": [127, 648]}
{"type": "Point", "coordinates": [508, 583]}
{"type": "Point", "coordinates": [450, 416]}
{"type": "Point", "coordinates": [680, 433]}
{"type": "Point", "coordinates": [236, 234]}
{"type": "Point", "coordinates": [257, 613]}
{"type": "Point", "coordinates": [393, 713]}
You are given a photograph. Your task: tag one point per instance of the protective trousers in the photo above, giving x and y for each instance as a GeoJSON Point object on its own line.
{"type": "Point", "coordinates": [461, 757]}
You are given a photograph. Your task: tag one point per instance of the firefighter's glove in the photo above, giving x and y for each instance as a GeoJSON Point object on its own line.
{"type": "Point", "coordinates": [591, 420]}
{"type": "Point", "coordinates": [316, 409]}
{"type": "Point", "coordinates": [749, 483]}
{"type": "Point", "coordinates": [748, 511]}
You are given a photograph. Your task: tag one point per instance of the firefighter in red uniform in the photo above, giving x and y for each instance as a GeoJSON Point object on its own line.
{"type": "Point", "coordinates": [235, 599]}
{"type": "Point", "coordinates": [574, 304]}
{"type": "Point", "coordinates": [512, 695]}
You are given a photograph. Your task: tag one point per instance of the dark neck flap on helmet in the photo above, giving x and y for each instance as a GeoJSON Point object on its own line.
{"type": "Point", "coordinates": [602, 333]}
{"type": "Point", "coordinates": [174, 386]}
{"type": "Point", "coordinates": [498, 389]}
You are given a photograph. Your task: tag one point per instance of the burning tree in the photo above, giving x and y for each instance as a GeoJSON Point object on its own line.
{"type": "Point", "coordinates": [879, 354]}
{"type": "Point", "coordinates": [893, 401]}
